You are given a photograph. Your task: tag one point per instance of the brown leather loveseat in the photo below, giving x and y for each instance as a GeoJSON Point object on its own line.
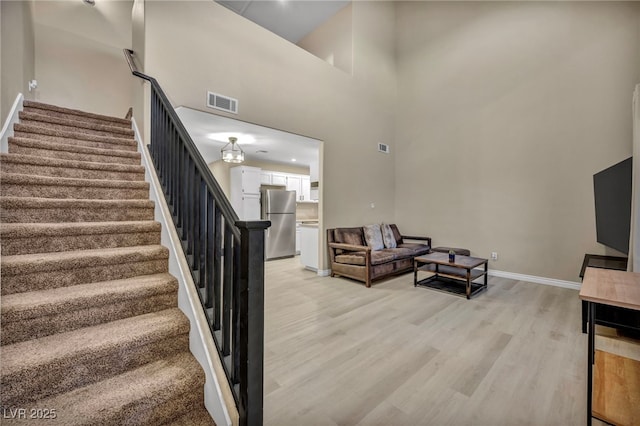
{"type": "Point", "coordinates": [357, 253]}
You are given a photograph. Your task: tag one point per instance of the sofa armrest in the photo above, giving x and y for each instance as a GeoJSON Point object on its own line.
{"type": "Point", "coordinates": [408, 237]}
{"type": "Point", "coordinates": [349, 247]}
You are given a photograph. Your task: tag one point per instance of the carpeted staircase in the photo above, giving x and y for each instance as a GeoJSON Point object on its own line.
{"type": "Point", "coordinates": [90, 326]}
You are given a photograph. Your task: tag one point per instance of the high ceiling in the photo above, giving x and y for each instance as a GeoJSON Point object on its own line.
{"type": "Point", "coordinates": [211, 132]}
{"type": "Point", "coordinates": [290, 19]}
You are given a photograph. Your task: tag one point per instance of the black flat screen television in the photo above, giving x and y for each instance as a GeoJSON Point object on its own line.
{"type": "Point", "coordinates": [612, 193]}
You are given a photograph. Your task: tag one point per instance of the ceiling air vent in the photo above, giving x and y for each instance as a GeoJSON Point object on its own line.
{"type": "Point", "coordinates": [383, 147]}
{"type": "Point", "coordinates": [224, 103]}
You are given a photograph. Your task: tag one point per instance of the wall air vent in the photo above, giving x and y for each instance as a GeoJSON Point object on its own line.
{"type": "Point", "coordinates": [383, 147]}
{"type": "Point", "coordinates": [221, 102]}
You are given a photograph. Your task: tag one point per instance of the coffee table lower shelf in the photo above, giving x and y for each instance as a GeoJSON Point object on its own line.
{"type": "Point", "coordinates": [450, 285]}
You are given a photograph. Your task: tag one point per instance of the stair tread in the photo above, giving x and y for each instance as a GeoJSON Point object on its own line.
{"type": "Point", "coordinates": [28, 129]}
{"type": "Point", "coordinates": [20, 306]}
{"type": "Point", "coordinates": [23, 179]}
{"type": "Point", "coordinates": [39, 262]}
{"type": "Point", "coordinates": [44, 106]}
{"type": "Point", "coordinates": [46, 161]}
{"type": "Point", "coordinates": [119, 398]}
{"type": "Point", "coordinates": [54, 146]}
{"type": "Point", "coordinates": [33, 202]}
{"type": "Point", "coordinates": [73, 123]}
{"type": "Point", "coordinates": [24, 230]}
{"type": "Point", "coordinates": [90, 341]}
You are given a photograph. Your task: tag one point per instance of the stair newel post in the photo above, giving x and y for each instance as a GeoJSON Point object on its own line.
{"type": "Point", "coordinates": [251, 332]}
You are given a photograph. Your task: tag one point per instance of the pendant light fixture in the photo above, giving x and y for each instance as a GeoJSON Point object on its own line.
{"type": "Point", "coordinates": [231, 152]}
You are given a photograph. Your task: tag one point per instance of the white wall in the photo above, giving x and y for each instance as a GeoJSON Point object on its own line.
{"type": "Point", "coordinates": [79, 59]}
{"type": "Point", "coordinates": [506, 110]}
{"type": "Point", "coordinates": [17, 53]}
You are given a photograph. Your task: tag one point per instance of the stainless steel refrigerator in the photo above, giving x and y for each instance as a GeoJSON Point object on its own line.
{"type": "Point", "coordinates": [279, 206]}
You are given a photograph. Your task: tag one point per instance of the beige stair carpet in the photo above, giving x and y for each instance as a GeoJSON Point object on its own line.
{"type": "Point", "coordinates": [90, 330]}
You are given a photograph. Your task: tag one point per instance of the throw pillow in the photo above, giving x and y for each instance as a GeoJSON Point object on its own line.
{"type": "Point", "coordinates": [373, 237]}
{"type": "Point", "coordinates": [388, 237]}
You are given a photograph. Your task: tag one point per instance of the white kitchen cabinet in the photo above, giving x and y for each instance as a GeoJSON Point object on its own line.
{"type": "Point", "coordinates": [249, 207]}
{"type": "Point", "coordinates": [278, 178]}
{"type": "Point", "coordinates": [309, 246]}
{"type": "Point", "coordinates": [265, 177]}
{"type": "Point", "coordinates": [293, 184]}
{"type": "Point", "coordinates": [298, 238]}
{"type": "Point", "coordinates": [245, 191]}
{"type": "Point", "coordinates": [246, 179]}
{"type": "Point", "coordinates": [305, 188]}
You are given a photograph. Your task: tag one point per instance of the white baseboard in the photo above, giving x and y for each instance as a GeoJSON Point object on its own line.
{"type": "Point", "coordinates": [534, 279]}
{"type": "Point", "coordinates": [324, 272]}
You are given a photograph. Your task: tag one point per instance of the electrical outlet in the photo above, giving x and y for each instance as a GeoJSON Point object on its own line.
{"type": "Point", "coordinates": [494, 255]}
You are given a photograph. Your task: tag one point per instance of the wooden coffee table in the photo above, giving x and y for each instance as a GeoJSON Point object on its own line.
{"type": "Point", "coordinates": [448, 276]}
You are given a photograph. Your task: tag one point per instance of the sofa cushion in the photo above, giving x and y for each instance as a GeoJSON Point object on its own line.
{"type": "Point", "coordinates": [387, 236]}
{"type": "Point", "coordinates": [351, 236]}
{"type": "Point", "coordinates": [352, 258]}
{"type": "Point", "coordinates": [382, 256]}
{"type": "Point", "coordinates": [402, 252]}
{"type": "Point", "coordinates": [373, 236]}
{"type": "Point", "coordinates": [396, 233]}
{"type": "Point", "coordinates": [417, 248]}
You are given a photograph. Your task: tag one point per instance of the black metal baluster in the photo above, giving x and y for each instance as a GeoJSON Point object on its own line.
{"type": "Point", "coordinates": [203, 232]}
{"type": "Point", "coordinates": [227, 290]}
{"type": "Point", "coordinates": [238, 355]}
{"type": "Point", "coordinates": [217, 274]}
{"type": "Point", "coordinates": [196, 221]}
{"type": "Point", "coordinates": [210, 251]}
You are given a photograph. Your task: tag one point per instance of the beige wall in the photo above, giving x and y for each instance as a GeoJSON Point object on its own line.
{"type": "Point", "coordinates": [73, 39]}
{"type": "Point", "coordinates": [281, 86]}
{"type": "Point", "coordinates": [16, 53]}
{"type": "Point", "coordinates": [506, 110]}
{"type": "Point", "coordinates": [332, 41]}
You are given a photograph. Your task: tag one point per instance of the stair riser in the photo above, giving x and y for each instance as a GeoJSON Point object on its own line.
{"type": "Point", "coordinates": [40, 170]}
{"type": "Point", "coordinates": [71, 318]}
{"type": "Point", "coordinates": [79, 114]}
{"type": "Point", "coordinates": [78, 142]}
{"type": "Point", "coordinates": [155, 413]}
{"type": "Point", "coordinates": [66, 116]}
{"type": "Point", "coordinates": [69, 155]}
{"type": "Point", "coordinates": [58, 243]}
{"type": "Point", "coordinates": [74, 192]}
{"type": "Point", "coordinates": [115, 132]}
{"type": "Point", "coordinates": [57, 215]}
{"type": "Point", "coordinates": [80, 275]}
{"type": "Point", "coordinates": [76, 371]}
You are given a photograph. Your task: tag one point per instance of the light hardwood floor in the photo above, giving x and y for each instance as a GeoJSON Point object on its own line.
{"type": "Point", "coordinates": [337, 353]}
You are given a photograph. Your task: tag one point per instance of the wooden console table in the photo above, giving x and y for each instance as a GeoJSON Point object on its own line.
{"type": "Point", "coordinates": [613, 392]}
